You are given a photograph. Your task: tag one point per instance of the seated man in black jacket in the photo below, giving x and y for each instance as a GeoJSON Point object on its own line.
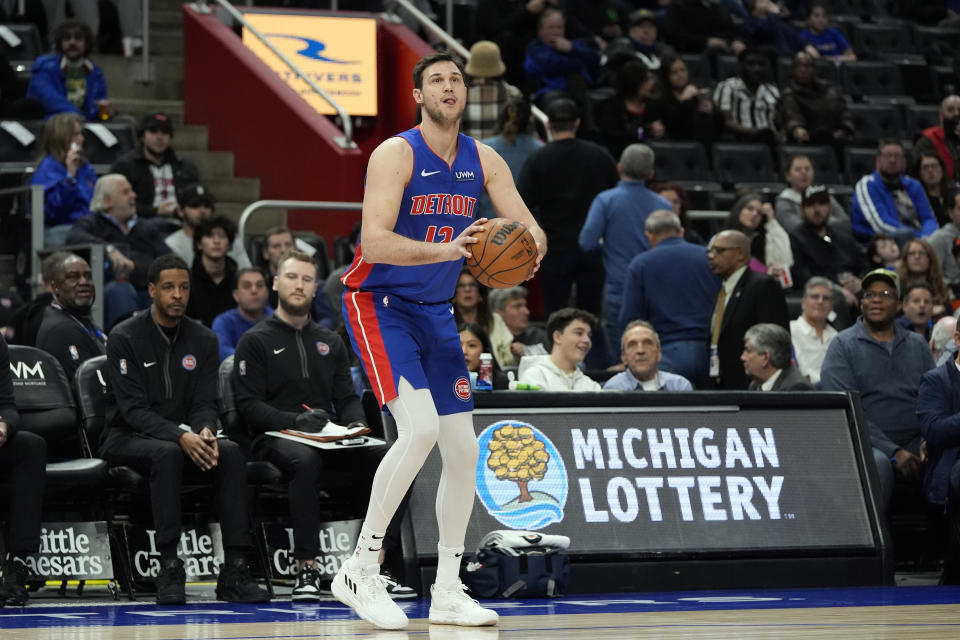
{"type": "Point", "coordinates": [291, 373]}
{"type": "Point", "coordinates": [161, 420]}
{"type": "Point", "coordinates": [213, 274]}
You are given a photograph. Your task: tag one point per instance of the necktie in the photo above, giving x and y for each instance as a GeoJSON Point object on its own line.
{"type": "Point", "coordinates": [718, 316]}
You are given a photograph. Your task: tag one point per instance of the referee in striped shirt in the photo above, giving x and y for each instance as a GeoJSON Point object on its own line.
{"type": "Point", "coordinates": [749, 101]}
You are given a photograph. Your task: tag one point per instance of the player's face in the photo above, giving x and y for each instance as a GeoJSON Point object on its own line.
{"type": "Point", "coordinates": [73, 285]}
{"type": "Point", "coordinates": [640, 352]}
{"type": "Point", "coordinates": [295, 284]}
{"type": "Point", "coordinates": [251, 292]}
{"type": "Point", "coordinates": [574, 341]}
{"type": "Point", "coordinates": [472, 348]}
{"type": "Point", "coordinates": [444, 94]}
{"type": "Point", "coordinates": [170, 294]}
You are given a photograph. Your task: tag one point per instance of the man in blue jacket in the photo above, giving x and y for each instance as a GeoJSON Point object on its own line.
{"type": "Point", "coordinates": [887, 201]}
{"type": "Point", "coordinates": [67, 81]}
{"type": "Point", "coordinates": [938, 407]}
{"type": "Point", "coordinates": [557, 63]}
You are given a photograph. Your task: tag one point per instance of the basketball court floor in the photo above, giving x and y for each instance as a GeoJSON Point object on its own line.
{"type": "Point", "coordinates": [853, 613]}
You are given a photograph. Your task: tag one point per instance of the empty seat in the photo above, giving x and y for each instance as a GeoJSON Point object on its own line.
{"type": "Point", "coordinates": [680, 161]}
{"type": "Point", "coordinates": [698, 70]}
{"type": "Point", "coordinates": [17, 153]}
{"type": "Point", "coordinates": [22, 55]}
{"type": "Point", "coordinates": [103, 153]}
{"type": "Point", "coordinates": [874, 121]}
{"type": "Point", "coordinates": [727, 67]}
{"type": "Point", "coordinates": [872, 78]}
{"type": "Point", "coordinates": [938, 41]}
{"type": "Point", "coordinates": [920, 117]}
{"type": "Point", "coordinates": [826, 169]}
{"type": "Point", "coordinates": [858, 162]}
{"type": "Point", "coordinates": [878, 39]}
{"type": "Point", "coordinates": [735, 163]}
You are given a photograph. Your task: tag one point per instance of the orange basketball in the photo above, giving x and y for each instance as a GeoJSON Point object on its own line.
{"type": "Point", "coordinates": [505, 254]}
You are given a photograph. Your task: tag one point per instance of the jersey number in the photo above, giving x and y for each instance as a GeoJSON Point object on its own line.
{"type": "Point", "coordinates": [439, 234]}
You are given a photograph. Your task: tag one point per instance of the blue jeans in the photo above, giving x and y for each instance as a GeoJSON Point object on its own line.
{"type": "Point", "coordinates": [687, 358]}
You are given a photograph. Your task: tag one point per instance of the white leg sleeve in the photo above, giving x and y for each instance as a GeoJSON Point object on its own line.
{"type": "Point", "coordinates": [455, 495]}
{"type": "Point", "coordinates": [417, 423]}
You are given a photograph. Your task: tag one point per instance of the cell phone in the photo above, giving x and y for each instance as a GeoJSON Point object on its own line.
{"type": "Point", "coordinates": [74, 146]}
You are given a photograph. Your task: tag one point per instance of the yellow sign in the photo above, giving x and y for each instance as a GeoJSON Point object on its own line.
{"type": "Point", "coordinates": [339, 54]}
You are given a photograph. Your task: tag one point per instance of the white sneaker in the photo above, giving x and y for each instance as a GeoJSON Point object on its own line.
{"type": "Point", "coordinates": [454, 606]}
{"type": "Point", "coordinates": [364, 591]}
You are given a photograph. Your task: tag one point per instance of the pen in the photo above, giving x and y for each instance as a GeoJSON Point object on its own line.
{"type": "Point", "coordinates": [305, 406]}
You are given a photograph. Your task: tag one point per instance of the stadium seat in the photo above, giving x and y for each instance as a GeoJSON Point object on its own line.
{"type": "Point", "coordinates": [936, 41]}
{"type": "Point", "coordinates": [880, 39]}
{"type": "Point", "coordinates": [45, 401]}
{"type": "Point", "coordinates": [920, 117]}
{"type": "Point", "coordinates": [871, 78]}
{"type": "Point", "coordinates": [858, 162]}
{"type": "Point", "coordinates": [22, 55]}
{"type": "Point", "coordinates": [101, 154]}
{"type": "Point", "coordinates": [341, 251]}
{"type": "Point", "coordinates": [700, 193]}
{"type": "Point", "coordinates": [698, 70]}
{"type": "Point", "coordinates": [727, 67]}
{"type": "Point", "coordinates": [872, 122]}
{"type": "Point", "coordinates": [680, 161]}
{"type": "Point", "coordinates": [824, 160]}
{"type": "Point", "coordinates": [735, 163]}
{"type": "Point", "coordinates": [17, 154]}
{"type": "Point", "coordinates": [825, 70]}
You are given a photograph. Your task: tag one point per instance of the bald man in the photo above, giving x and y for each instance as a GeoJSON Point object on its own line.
{"type": "Point", "coordinates": [746, 298]}
{"type": "Point", "coordinates": [944, 139]}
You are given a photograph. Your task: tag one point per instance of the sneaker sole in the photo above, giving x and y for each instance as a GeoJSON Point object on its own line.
{"type": "Point", "coordinates": [306, 597]}
{"type": "Point", "coordinates": [402, 596]}
{"type": "Point", "coordinates": [452, 618]}
{"type": "Point", "coordinates": [347, 597]}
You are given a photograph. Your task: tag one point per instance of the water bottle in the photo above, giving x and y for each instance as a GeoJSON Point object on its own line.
{"type": "Point", "coordinates": [485, 375]}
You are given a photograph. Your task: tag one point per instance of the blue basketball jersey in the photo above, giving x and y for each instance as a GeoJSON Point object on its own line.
{"type": "Point", "coordinates": [438, 203]}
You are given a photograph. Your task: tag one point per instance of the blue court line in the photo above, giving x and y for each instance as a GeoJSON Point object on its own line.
{"type": "Point", "coordinates": [125, 614]}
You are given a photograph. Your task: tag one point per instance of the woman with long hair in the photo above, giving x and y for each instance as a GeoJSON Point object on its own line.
{"type": "Point", "coordinates": [769, 242]}
{"type": "Point", "coordinates": [919, 264]}
{"type": "Point", "coordinates": [474, 340]}
{"type": "Point", "coordinates": [470, 302]}
{"type": "Point", "coordinates": [513, 141]}
{"type": "Point", "coordinates": [680, 201]}
{"type": "Point", "coordinates": [685, 110]}
{"type": "Point", "coordinates": [928, 168]}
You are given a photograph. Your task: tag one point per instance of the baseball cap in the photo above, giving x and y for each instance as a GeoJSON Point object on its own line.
{"type": "Point", "coordinates": [815, 193]}
{"type": "Point", "coordinates": [886, 275]}
{"type": "Point", "coordinates": [196, 195]}
{"type": "Point", "coordinates": [156, 121]}
{"type": "Point", "coordinates": [642, 15]}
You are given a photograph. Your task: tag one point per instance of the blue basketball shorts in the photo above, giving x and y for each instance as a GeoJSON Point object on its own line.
{"type": "Point", "coordinates": [396, 338]}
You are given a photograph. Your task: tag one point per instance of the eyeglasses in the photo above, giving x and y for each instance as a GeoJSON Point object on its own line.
{"type": "Point", "coordinates": [718, 249]}
{"type": "Point", "coordinates": [885, 293]}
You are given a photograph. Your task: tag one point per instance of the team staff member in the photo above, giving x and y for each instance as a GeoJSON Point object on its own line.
{"type": "Point", "coordinates": [161, 420]}
{"type": "Point", "coordinates": [23, 456]}
{"type": "Point", "coordinates": [284, 365]}
{"type": "Point", "coordinates": [67, 331]}
{"type": "Point", "coordinates": [401, 324]}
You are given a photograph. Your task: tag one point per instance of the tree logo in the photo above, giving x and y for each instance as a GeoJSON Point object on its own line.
{"type": "Point", "coordinates": [521, 478]}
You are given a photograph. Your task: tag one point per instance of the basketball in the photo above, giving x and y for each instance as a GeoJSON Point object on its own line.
{"type": "Point", "coordinates": [504, 255]}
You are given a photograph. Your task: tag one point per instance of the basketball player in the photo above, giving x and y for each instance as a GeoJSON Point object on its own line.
{"type": "Point", "coordinates": [421, 192]}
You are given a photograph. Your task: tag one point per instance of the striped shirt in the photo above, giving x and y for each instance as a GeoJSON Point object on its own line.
{"type": "Point", "coordinates": [752, 110]}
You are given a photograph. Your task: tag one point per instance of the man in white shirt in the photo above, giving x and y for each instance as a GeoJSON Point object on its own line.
{"type": "Point", "coordinates": [570, 331]}
{"type": "Point", "coordinates": [810, 333]}
{"type": "Point", "coordinates": [766, 360]}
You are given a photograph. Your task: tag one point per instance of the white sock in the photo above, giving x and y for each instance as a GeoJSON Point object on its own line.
{"type": "Point", "coordinates": [448, 565]}
{"type": "Point", "coordinates": [368, 546]}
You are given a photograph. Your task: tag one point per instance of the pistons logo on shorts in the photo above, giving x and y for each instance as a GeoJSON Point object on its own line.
{"type": "Point", "coordinates": [323, 348]}
{"type": "Point", "coordinates": [462, 388]}
{"type": "Point", "coordinates": [189, 362]}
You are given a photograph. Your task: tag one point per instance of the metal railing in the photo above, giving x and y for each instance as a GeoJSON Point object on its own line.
{"type": "Point", "coordinates": [345, 141]}
{"type": "Point", "coordinates": [288, 204]}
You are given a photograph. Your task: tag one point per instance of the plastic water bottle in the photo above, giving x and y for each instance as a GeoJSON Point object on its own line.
{"type": "Point", "coordinates": [485, 375]}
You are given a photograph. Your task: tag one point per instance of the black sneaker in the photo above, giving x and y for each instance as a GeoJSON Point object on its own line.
{"type": "Point", "coordinates": [235, 584]}
{"type": "Point", "coordinates": [170, 582]}
{"type": "Point", "coordinates": [13, 586]}
{"type": "Point", "coordinates": [396, 590]}
{"type": "Point", "coordinates": [307, 588]}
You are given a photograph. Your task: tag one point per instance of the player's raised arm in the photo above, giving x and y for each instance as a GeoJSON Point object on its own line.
{"type": "Point", "coordinates": [390, 167]}
{"type": "Point", "coordinates": [504, 196]}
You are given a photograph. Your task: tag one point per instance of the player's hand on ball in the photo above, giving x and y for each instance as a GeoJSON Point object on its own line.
{"type": "Point", "coordinates": [459, 248]}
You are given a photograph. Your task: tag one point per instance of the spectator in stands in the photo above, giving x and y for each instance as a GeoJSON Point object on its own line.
{"type": "Point", "coordinates": [944, 139]}
{"type": "Point", "coordinates": [131, 245]}
{"type": "Point", "coordinates": [511, 24]}
{"type": "Point", "coordinates": [510, 307]}
{"type": "Point", "coordinates": [887, 201]}
{"type": "Point", "coordinates": [788, 205]}
{"type": "Point", "coordinates": [814, 110]}
{"type": "Point", "coordinates": [277, 241]}
{"type": "Point", "coordinates": [884, 363]}
{"type": "Point", "coordinates": [250, 294]}
{"type": "Point", "coordinates": [470, 306]}
{"type": "Point", "coordinates": [628, 116]}
{"type": "Point", "coordinates": [919, 265]}
{"type": "Point", "coordinates": [23, 459]}
{"type": "Point", "coordinates": [746, 298]}
{"type": "Point", "coordinates": [748, 101]}
{"type": "Point", "coordinates": [556, 64]}
{"type": "Point", "coordinates": [671, 286]}
{"type": "Point", "coordinates": [945, 238]}
{"type": "Point", "coordinates": [763, 27]}
{"type": "Point", "coordinates": [514, 142]}
{"type": "Point", "coordinates": [614, 226]}
{"type": "Point", "coordinates": [929, 170]}
{"type": "Point", "coordinates": [883, 251]}
{"type": "Point", "coordinates": [213, 275]}
{"type": "Point", "coordinates": [818, 248]}
{"type": "Point", "coordinates": [25, 321]}
{"type": "Point", "coordinates": [475, 341]}
{"type": "Point", "coordinates": [938, 409]}
{"type": "Point", "coordinates": [942, 345]}
{"type": "Point", "coordinates": [487, 91]}
{"type": "Point", "coordinates": [640, 352]}
{"type": "Point", "coordinates": [679, 201]}
{"type": "Point", "coordinates": [558, 183]}
{"type": "Point", "coordinates": [598, 19]}
{"type": "Point", "coordinates": [917, 305]}
{"type": "Point", "coordinates": [828, 41]}
{"type": "Point", "coordinates": [281, 385]}
{"type": "Point", "coordinates": [156, 171]}
{"type": "Point", "coordinates": [163, 418]}
{"type": "Point", "coordinates": [645, 38]}
{"type": "Point", "coordinates": [67, 81]}
{"type": "Point", "coordinates": [195, 204]}
{"type": "Point", "coordinates": [333, 287]}
{"type": "Point", "coordinates": [769, 242]}
{"type": "Point", "coordinates": [810, 332]}
{"type": "Point", "coordinates": [570, 331]}
{"type": "Point", "coordinates": [66, 176]}
{"type": "Point", "coordinates": [685, 110]}
{"type": "Point", "coordinates": [67, 331]}
{"type": "Point", "coordinates": [766, 360]}
{"type": "Point", "coordinates": [693, 26]}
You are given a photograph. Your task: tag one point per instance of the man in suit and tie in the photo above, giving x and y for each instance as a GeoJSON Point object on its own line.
{"type": "Point", "coordinates": [745, 299]}
{"type": "Point", "coordinates": [766, 360]}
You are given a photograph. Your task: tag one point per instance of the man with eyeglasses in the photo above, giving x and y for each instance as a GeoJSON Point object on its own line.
{"type": "Point", "coordinates": [883, 362]}
{"type": "Point", "coordinates": [887, 201]}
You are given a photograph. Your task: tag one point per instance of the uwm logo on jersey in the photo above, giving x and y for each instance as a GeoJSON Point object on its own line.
{"type": "Point", "coordinates": [455, 205]}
